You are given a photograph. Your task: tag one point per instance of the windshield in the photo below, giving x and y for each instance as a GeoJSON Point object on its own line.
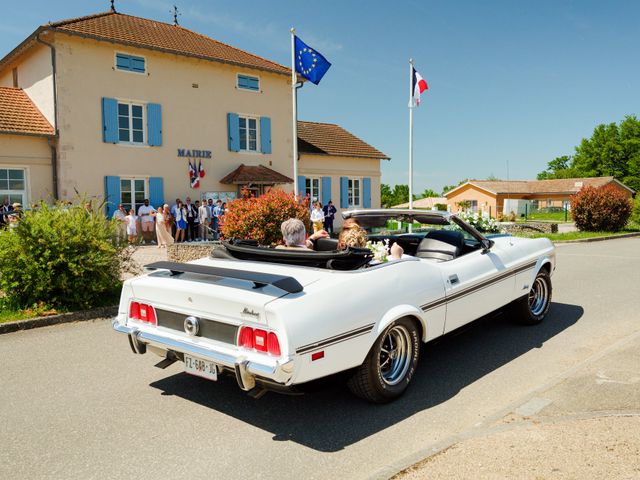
{"type": "Point", "coordinates": [398, 227]}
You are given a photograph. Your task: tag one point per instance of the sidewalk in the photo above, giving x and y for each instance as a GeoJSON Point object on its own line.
{"type": "Point", "coordinates": [586, 425]}
{"type": "Point", "coordinates": [143, 255]}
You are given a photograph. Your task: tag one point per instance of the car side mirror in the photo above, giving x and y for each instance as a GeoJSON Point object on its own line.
{"type": "Point", "coordinates": [486, 245]}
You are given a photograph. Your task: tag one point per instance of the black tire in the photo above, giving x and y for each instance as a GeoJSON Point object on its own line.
{"type": "Point", "coordinates": [384, 376]}
{"type": "Point", "coordinates": [533, 307]}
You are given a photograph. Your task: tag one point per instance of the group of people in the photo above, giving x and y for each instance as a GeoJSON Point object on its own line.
{"type": "Point", "coordinates": [9, 213]}
{"type": "Point", "coordinates": [322, 217]}
{"type": "Point", "coordinates": [183, 222]}
{"type": "Point", "coordinates": [351, 234]}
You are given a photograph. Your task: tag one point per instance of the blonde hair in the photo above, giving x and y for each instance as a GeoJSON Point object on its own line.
{"type": "Point", "coordinates": [352, 235]}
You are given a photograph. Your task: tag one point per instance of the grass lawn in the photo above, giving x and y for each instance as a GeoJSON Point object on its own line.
{"type": "Point", "coordinates": [548, 217]}
{"type": "Point", "coordinates": [10, 315]}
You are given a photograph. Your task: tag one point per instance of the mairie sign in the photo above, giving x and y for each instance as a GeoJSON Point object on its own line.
{"type": "Point", "coordinates": [183, 152]}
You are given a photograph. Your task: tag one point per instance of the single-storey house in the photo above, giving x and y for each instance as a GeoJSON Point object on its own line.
{"type": "Point", "coordinates": [493, 197]}
{"type": "Point", "coordinates": [427, 203]}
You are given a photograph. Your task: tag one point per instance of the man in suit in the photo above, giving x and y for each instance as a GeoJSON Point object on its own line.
{"type": "Point", "coordinates": [329, 215]}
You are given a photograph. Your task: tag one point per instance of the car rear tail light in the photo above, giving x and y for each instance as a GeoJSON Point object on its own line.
{"type": "Point", "coordinates": [142, 312]}
{"type": "Point", "coordinates": [273, 346]}
{"type": "Point", "coordinates": [246, 337]}
{"type": "Point", "coordinates": [134, 310]}
{"type": "Point", "coordinates": [259, 340]}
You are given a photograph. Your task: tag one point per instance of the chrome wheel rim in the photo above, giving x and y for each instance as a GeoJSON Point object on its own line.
{"type": "Point", "coordinates": [538, 296]}
{"type": "Point", "coordinates": [395, 355]}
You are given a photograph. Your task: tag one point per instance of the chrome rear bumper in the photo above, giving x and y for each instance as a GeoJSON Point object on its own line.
{"type": "Point", "coordinates": [246, 370]}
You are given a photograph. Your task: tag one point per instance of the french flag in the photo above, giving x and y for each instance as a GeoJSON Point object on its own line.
{"type": "Point", "coordinates": [419, 86]}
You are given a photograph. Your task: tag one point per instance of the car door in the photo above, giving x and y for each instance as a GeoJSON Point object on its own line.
{"type": "Point", "coordinates": [478, 283]}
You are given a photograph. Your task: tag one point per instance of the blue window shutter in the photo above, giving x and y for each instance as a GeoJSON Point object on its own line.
{"type": "Point", "coordinates": [366, 192]}
{"type": "Point", "coordinates": [234, 132]}
{"type": "Point", "coordinates": [137, 64]}
{"type": "Point", "coordinates": [326, 190]}
{"type": "Point", "coordinates": [265, 134]}
{"type": "Point", "coordinates": [109, 120]}
{"type": "Point", "coordinates": [302, 185]}
{"type": "Point", "coordinates": [123, 62]}
{"type": "Point", "coordinates": [156, 191]}
{"type": "Point", "coordinates": [154, 124]}
{"type": "Point", "coordinates": [111, 195]}
{"type": "Point", "coordinates": [344, 192]}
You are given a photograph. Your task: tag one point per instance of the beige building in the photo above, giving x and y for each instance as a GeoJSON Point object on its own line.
{"type": "Point", "coordinates": [132, 103]}
{"type": "Point", "coordinates": [519, 196]}
{"type": "Point", "coordinates": [337, 166]}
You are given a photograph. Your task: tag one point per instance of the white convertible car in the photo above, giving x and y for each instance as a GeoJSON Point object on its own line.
{"type": "Point", "coordinates": [276, 319]}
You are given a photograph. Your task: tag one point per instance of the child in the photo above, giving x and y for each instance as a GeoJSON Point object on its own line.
{"type": "Point", "coordinates": [132, 226]}
{"type": "Point", "coordinates": [317, 217]}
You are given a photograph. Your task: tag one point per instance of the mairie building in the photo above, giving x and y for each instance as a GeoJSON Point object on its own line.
{"type": "Point", "coordinates": [118, 107]}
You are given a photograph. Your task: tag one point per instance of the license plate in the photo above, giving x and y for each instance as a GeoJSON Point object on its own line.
{"type": "Point", "coordinates": [201, 368]}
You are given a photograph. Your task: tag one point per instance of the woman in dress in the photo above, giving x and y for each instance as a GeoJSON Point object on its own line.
{"type": "Point", "coordinates": [317, 217]}
{"type": "Point", "coordinates": [168, 219]}
{"type": "Point", "coordinates": [164, 237]}
{"type": "Point", "coordinates": [181, 222]}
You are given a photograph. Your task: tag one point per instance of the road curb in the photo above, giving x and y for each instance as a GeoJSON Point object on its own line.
{"type": "Point", "coordinates": [79, 316]}
{"type": "Point", "coordinates": [598, 239]}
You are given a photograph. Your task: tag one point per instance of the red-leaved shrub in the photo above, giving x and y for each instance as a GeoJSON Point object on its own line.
{"type": "Point", "coordinates": [600, 209]}
{"type": "Point", "coordinates": [259, 218]}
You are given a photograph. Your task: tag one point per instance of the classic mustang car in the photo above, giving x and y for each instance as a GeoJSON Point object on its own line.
{"type": "Point", "coordinates": [276, 319]}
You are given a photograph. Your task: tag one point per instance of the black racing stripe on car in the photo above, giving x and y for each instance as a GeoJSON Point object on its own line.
{"type": "Point", "coordinates": [498, 278]}
{"type": "Point", "coordinates": [480, 286]}
{"type": "Point", "coordinates": [435, 304]}
{"type": "Point", "coordinates": [335, 339]}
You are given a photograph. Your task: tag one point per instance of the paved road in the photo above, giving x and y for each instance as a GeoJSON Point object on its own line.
{"type": "Point", "coordinates": [75, 403]}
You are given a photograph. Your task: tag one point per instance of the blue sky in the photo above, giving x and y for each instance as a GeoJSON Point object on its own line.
{"type": "Point", "coordinates": [509, 81]}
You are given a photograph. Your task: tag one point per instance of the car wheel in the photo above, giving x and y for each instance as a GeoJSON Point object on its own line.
{"type": "Point", "coordinates": [390, 364]}
{"type": "Point", "coordinates": [533, 307]}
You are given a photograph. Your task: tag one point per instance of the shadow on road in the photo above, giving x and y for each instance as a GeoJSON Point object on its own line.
{"type": "Point", "coordinates": [328, 418]}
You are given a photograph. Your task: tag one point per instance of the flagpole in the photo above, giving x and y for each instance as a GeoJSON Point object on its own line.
{"type": "Point", "coordinates": [411, 133]}
{"type": "Point", "coordinates": [294, 81]}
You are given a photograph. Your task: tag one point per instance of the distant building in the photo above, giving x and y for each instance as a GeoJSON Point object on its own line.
{"type": "Point", "coordinates": [336, 165]}
{"type": "Point", "coordinates": [117, 106]}
{"type": "Point", "coordinates": [424, 203]}
{"type": "Point", "coordinates": [495, 197]}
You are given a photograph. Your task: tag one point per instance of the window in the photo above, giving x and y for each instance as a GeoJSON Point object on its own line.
{"type": "Point", "coordinates": [549, 203]}
{"type": "Point", "coordinates": [248, 134]}
{"type": "Point", "coordinates": [354, 192]}
{"type": "Point", "coordinates": [129, 63]}
{"type": "Point", "coordinates": [473, 205]}
{"type": "Point", "coordinates": [246, 82]}
{"type": "Point", "coordinates": [13, 185]}
{"type": "Point", "coordinates": [312, 188]}
{"type": "Point", "coordinates": [131, 123]}
{"type": "Point", "coordinates": [133, 191]}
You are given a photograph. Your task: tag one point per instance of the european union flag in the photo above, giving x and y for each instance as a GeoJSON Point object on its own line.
{"type": "Point", "coordinates": [309, 62]}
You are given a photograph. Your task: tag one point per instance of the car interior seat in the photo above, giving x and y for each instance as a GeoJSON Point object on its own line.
{"type": "Point", "coordinates": [441, 245]}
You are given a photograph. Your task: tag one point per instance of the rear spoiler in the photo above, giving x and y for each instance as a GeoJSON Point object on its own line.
{"type": "Point", "coordinates": [288, 284]}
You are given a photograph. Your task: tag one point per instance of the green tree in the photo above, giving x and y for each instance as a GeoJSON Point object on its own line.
{"type": "Point", "coordinates": [560, 167]}
{"type": "Point", "coordinates": [429, 193]}
{"type": "Point", "coordinates": [612, 150]}
{"type": "Point", "coordinates": [386, 195]}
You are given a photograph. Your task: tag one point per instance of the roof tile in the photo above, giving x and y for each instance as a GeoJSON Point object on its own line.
{"type": "Point", "coordinates": [562, 185]}
{"type": "Point", "coordinates": [331, 139]}
{"type": "Point", "coordinates": [18, 114]}
{"type": "Point", "coordinates": [258, 174]}
{"type": "Point", "coordinates": [146, 33]}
